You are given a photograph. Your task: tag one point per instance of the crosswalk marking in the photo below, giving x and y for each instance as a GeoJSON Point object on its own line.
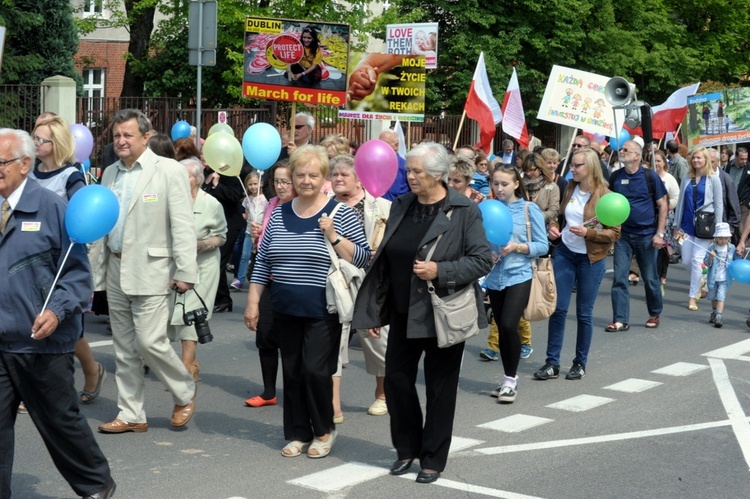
{"type": "Point", "coordinates": [340, 477]}
{"type": "Point", "coordinates": [460, 443]}
{"type": "Point", "coordinates": [633, 385]}
{"type": "Point", "coordinates": [515, 423]}
{"type": "Point", "coordinates": [475, 489]}
{"type": "Point", "coordinates": [580, 403]}
{"type": "Point", "coordinates": [680, 369]}
{"type": "Point", "coordinates": [734, 351]}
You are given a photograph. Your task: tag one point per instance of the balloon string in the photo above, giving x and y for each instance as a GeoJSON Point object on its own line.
{"type": "Point", "coordinates": [243, 186]}
{"type": "Point", "coordinates": [57, 277]}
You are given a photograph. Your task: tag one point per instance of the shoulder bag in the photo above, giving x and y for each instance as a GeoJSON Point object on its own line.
{"type": "Point", "coordinates": [342, 283]}
{"type": "Point", "coordinates": [455, 315]}
{"type": "Point", "coordinates": [543, 294]}
{"type": "Point", "coordinates": [704, 221]}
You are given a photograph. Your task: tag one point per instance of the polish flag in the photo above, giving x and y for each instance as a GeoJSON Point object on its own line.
{"type": "Point", "coordinates": [668, 116]}
{"type": "Point", "coordinates": [482, 107]}
{"type": "Point", "coordinates": [514, 121]}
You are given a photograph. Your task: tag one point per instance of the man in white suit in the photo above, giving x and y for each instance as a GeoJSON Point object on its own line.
{"type": "Point", "coordinates": [151, 249]}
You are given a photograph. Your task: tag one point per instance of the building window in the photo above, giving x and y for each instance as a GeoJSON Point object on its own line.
{"type": "Point", "coordinates": [93, 93]}
{"type": "Point", "coordinates": [92, 8]}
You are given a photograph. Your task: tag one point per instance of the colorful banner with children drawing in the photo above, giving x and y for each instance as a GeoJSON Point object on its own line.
{"type": "Point", "coordinates": [296, 61]}
{"type": "Point", "coordinates": [413, 39]}
{"type": "Point", "coordinates": [719, 117]}
{"type": "Point", "coordinates": [386, 87]}
{"type": "Point", "coordinates": [576, 99]}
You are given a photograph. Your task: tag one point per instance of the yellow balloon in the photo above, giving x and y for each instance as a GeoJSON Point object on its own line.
{"type": "Point", "coordinates": [223, 153]}
{"type": "Point", "coordinates": [221, 127]}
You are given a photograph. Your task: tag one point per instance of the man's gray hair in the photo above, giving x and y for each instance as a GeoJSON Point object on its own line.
{"type": "Point", "coordinates": [25, 145]}
{"type": "Point", "coordinates": [435, 159]}
{"type": "Point", "coordinates": [195, 167]}
{"type": "Point", "coordinates": [309, 119]}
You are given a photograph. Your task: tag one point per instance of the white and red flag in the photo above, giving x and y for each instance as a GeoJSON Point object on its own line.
{"type": "Point", "coordinates": [482, 107]}
{"type": "Point", "coordinates": [514, 121]}
{"type": "Point", "coordinates": [668, 116]}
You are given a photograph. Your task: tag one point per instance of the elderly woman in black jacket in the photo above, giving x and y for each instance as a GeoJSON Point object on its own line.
{"type": "Point", "coordinates": [395, 292]}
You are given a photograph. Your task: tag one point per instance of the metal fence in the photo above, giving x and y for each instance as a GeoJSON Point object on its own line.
{"type": "Point", "coordinates": [20, 105]}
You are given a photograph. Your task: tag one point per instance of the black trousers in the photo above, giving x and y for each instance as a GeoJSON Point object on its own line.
{"type": "Point", "coordinates": [507, 308]}
{"type": "Point", "coordinates": [222, 292]}
{"type": "Point", "coordinates": [429, 440]}
{"type": "Point", "coordinates": [45, 384]}
{"type": "Point", "coordinates": [309, 352]}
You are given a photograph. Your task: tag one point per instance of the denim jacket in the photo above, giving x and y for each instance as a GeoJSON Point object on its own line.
{"type": "Point", "coordinates": [515, 268]}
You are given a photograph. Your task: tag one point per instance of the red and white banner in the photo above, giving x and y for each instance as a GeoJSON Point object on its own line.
{"type": "Point", "coordinates": [514, 121]}
{"type": "Point", "coordinates": [668, 116]}
{"type": "Point", "coordinates": [481, 105]}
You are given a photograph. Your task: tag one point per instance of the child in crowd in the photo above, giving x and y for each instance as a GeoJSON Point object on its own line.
{"type": "Point", "coordinates": [719, 256]}
{"type": "Point", "coordinates": [254, 204]}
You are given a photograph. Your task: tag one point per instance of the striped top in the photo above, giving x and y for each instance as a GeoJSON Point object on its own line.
{"type": "Point", "coordinates": [294, 252]}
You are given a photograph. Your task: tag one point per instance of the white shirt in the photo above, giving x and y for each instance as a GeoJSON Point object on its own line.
{"type": "Point", "coordinates": [720, 262]}
{"type": "Point", "coordinates": [123, 187]}
{"type": "Point", "coordinates": [574, 217]}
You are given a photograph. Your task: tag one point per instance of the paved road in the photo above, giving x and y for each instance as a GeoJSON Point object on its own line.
{"type": "Point", "coordinates": [661, 413]}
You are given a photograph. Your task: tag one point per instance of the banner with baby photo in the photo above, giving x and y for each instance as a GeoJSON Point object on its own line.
{"type": "Point", "coordinates": [296, 61]}
{"type": "Point", "coordinates": [576, 99]}
{"type": "Point", "coordinates": [413, 39]}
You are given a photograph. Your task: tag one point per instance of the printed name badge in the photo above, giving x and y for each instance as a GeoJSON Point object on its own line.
{"type": "Point", "coordinates": [625, 181]}
{"type": "Point", "coordinates": [31, 226]}
{"type": "Point", "coordinates": [150, 198]}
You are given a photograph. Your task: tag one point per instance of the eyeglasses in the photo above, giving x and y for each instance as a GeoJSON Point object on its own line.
{"type": "Point", "coordinates": [623, 150]}
{"type": "Point", "coordinates": [4, 163]}
{"type": "Point", "coordinates": [40, 141]}
{"type": "Point", "coordinates": [299, 126]}
{"type": "Point", "coordinates": [579, 145]}
{"type": "Point", "coordinates": [574, 166]}
{"type": "Point", "coordinates": [282, 182]}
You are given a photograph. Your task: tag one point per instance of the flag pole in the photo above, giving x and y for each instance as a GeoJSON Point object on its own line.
{"type": "Point", "coordinates": [570, 147]}
{"type": "Point", "coordinates": [458, 133]}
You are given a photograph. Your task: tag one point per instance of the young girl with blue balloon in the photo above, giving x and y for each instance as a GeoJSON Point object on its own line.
{"type": "Point", "coordinates": [509, 282]}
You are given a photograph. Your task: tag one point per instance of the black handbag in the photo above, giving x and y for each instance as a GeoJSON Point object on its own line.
{"type": "Point", "coordinates": [704, 221]}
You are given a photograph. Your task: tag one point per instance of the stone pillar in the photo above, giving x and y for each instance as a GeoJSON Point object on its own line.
{"type": "Point", "coordinates": [59, 97]}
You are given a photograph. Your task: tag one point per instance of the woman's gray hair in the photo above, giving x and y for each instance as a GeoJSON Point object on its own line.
{"type": "Point", "coordinates": [343, 160]}
{"type": "Point", "coordinates": [435, 159]}
{"type": "Point", "coordinates": [463, 166]}
{"type": "Point", "coordinates": [195, 167]}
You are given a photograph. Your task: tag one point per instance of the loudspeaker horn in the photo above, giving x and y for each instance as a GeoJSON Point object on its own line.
{"type": "Point", "coordinates": [618, 91]}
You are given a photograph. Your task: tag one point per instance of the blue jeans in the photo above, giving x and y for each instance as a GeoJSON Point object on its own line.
{"type": "Point", "coordinates": [247, 248]}
{"type": "Point", "coordinates": [571, 268]}
{"type": "Point", "coordinates": [645, 255]}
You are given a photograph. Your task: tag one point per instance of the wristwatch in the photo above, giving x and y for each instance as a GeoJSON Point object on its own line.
{"type": "Point", "coordinates": [338, 240]}
{"type": "Point", "coordinates": [661, 234]}
{"type": "Point", "coordinates": [518, 249]}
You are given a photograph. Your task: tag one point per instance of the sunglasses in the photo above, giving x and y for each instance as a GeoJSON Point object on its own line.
{"type": "Point", "coordinates": [299, 126]}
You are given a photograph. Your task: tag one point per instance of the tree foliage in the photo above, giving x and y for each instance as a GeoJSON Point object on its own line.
{"type": "Point", "coordinates": [41, 41]}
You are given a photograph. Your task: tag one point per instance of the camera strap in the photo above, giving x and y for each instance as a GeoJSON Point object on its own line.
{"type": "Point", "coordinates": [182, 303]}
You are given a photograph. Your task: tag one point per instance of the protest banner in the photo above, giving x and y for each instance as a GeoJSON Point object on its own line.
{"type": "Point", "coordinates": [576, 99]}
{"type": "Point", "coordinates": [718, 118]}
{"type": "Point", "coordinates": [295, 61]}
{"type": "Point", "coordinates": [413, 39]}
{"type": "Point", "coordinates": [386, 87]}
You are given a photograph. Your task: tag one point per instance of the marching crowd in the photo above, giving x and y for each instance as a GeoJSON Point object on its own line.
{"type": "Point", "coordinates": [164, 267]}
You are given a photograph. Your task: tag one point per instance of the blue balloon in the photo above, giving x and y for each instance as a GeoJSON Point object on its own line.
{"type": "Point", "coordinates": [497, 221]}
{"type": "Point", "coordinates": [261, 145]}
{"type": "Point", "coordinates": [740, 271]}
{"type": "Point", "coordinates": [617, 142]}
{"type": "Point", "coordinates": [91, 213]}
{"type": "Point", "coordinates": [86, 165]}
{"type": "Point", "coordinates": [180, 130]}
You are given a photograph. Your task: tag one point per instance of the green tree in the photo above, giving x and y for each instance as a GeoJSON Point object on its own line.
{"type": "Point", "coordinates": [41, 40]}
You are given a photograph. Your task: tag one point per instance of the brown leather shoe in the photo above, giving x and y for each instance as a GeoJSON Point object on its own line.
{"type": "Point", "coordinates": [120, 426]}
{"type": "Point", "coordinates": [183, 413]}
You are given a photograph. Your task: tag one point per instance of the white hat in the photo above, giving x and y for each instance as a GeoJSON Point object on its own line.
{"type": "Point", "coordinates": [722, 230]}
{"type": "Point", "coordinates": [638, 140]}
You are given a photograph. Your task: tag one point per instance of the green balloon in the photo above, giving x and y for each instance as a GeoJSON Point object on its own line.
{"type": "Point", "coordinates": [612, 209]}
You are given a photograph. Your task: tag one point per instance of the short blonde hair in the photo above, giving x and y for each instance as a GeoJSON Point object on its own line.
{"type": "Point", "coordinates": [338, 141]}
{"type": "Point", "coordinates": [550, 154]}
{"type": "Point", "coordinates": [63, 142]}
{"type": "Point", "coordinates": [305, 154]}
{"type": "Point", "coordinates": [709, 165]}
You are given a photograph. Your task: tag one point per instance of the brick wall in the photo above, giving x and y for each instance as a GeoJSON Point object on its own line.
{"type": "Point", "coordinates": [107, 55]}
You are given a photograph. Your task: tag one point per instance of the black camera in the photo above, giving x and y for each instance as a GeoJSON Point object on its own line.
{"type": "Point", "coordinates": [202, 329]}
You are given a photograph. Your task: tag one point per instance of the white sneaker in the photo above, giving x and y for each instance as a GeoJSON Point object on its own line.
{"type": "Point", "coordinates": [506, 395]}
{"type": "Point", "coordinates": [378, 408]}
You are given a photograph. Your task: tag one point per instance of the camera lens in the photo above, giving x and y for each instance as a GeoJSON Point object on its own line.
{"type": "Point", "coordinates": [203, 331]}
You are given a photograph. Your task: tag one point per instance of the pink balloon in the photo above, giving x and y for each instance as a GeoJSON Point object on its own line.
{"type": "Point", "coordinates": [376, 165]}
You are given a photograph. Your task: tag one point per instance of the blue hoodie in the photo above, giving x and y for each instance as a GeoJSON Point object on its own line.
{"type": "Point", "coordinates": [515, 268]}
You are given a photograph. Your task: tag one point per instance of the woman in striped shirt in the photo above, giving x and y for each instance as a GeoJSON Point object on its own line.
{"type": "Point", "coordinates": [294, 251]}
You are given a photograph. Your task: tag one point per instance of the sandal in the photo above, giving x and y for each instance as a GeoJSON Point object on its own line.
{"type": "Point", "coordinates": [295, 448]}
{"type": "Point", "coordinates": [88, 397]}
{"type": "Point", "coordinates": [653, 322]}
{"type": "Point", "coordinates": [617, 327]}
{"type": "Point", "coordinates": [321, 448]}
{"type": "Point", "coordinates": [633, 279]}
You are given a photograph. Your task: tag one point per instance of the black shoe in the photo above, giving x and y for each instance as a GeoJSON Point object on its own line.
{"type": "Point", "coordinates": [718, 323]}
{"type": "Point", "coordinates": [548, 371]}
{"type": "Point", "coordinates": [106, 493]}
{"type": "Point", "coordinates": [423, 477]}
{"type": "Point", "coordinates": [712, 318]}
{"type": "Point", "coordinates": [221, 307]}
{"type": "Point", "coordinates": [401, 467]}
{"type": "Point", "coordinates": [578, 371]}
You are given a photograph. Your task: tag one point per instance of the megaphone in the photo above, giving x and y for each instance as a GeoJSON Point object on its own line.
{"type": "Point", "coordinates": [618, 91]}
